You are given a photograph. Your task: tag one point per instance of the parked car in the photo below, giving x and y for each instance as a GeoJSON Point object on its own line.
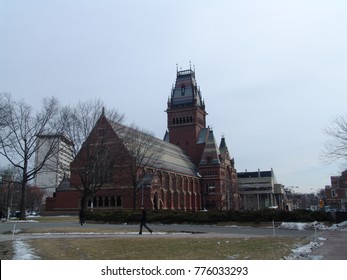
{"type": "Point", "coordinates": [32, 213]}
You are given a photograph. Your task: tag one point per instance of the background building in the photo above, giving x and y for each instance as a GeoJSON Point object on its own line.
{"type": "Point", "coordinates": [336, 194]}
{"type": "Point", "coordinates": [259, 190]}
{"type": "Point", "coordinates": [57, 166]}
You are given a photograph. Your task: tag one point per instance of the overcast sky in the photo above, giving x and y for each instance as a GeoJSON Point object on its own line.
{"type": "Point", "coordinates": [273, 74]}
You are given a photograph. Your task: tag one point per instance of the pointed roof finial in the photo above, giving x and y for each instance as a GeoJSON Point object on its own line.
{"type": "Point", "coordinates": [190, 64]}
{"type": "Point", "coordinates": [176, 67]}
{"type": "Point", "coordinates": [103, 111]}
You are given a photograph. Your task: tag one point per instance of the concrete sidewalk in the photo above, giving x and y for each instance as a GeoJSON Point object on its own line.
{"type": "Point", "coordinates": [334, 245]}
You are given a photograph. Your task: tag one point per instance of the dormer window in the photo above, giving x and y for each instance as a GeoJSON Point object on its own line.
{"type": "Point", "coordinates": [183, 90]}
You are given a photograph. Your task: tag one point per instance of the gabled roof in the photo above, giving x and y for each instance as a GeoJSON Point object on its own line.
{"type": "Point", "coordinates": [170, 157]}
{"type": "Point", "coordinates": [211, 152]}
{"type": "Point", "coordinates": [65, 185]}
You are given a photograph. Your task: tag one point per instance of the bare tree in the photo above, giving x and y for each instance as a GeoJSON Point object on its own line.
{"type": "Point", "coordinates": [336, 146]}
{"type": "Point", "coordinates": [143, 151]}
{"type": "Point", "coordinates": [94, 154]}
{"type": "Point", "coordinates": [8, 190]}
{"type": "Point", "coordinates": [2, 109]}
{"type": "Point", "coordinates": [18, 135]}
{"type": "Point", "coordinates": [34, 198]}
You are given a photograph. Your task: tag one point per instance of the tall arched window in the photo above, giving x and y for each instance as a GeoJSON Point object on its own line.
{"type": "Point", "coordinates": [119, 201]}
{"type": "Point", "coordinates": [112, 201]}
{"type": "Point", "coordinates": [100, 202]}
{"type": "Point", "coordinates": [106, 201]}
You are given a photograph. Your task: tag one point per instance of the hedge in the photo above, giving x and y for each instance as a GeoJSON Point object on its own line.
{"type": "Point", "coordinates": [208, 217]}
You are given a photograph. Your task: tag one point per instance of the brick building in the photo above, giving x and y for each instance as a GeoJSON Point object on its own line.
{"type": "Point", "coordinates": [336, 194]}
{"type": "Point", "coordinates": [190, 171]}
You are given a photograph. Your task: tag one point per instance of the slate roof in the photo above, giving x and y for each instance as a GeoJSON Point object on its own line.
{"type": "Point", "coordinates": [202, 137]}
{"type": "Point", "coordinates": [211, 152]}
{"type": "Point", "coordinates": [170, 157]}
{"type": "Point", "coordinates": [185, 91]}
{"type": "Point", "coordinates": [224, 149]}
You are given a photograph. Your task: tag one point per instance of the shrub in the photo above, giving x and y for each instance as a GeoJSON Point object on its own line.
{"type": "Point", "coordinates": [208, 217]}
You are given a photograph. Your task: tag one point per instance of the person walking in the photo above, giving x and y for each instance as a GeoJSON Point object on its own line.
{"type": "Point", "coordinates": [144, 220]}
{"type": "Point", "coordinates": [81, 216]}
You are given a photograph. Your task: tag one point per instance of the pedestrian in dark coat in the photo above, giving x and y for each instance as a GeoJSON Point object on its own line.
{"type": "Point", "coordinates": [144, 220]}
{"type": "Point", "coordinates": [81, 216]}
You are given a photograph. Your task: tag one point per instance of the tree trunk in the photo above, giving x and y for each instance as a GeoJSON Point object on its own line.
{"type": "Point", "coordinates": [23, 194]}
{"type": "Point", "coordinates": [84, 200]}
{"type": "Point", "coordinates": [134, 197]}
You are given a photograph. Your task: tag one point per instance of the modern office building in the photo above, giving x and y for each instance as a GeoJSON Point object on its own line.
{"type": "Point", "coordinates": [57, 165]}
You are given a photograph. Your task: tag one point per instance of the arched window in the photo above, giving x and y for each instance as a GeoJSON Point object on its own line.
{"type": "Point", "coordinates": [112, 201]}
{"type": "Point", "coordinates": [119, 201]}
{"type": "Point", "coordinates": [155, 201]}
{"type": "Point", "coordinates": [106, 201]}
{"type": "Point", "coordinates": [100, 204]}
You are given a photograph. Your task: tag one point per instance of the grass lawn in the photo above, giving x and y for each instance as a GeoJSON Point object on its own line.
{"type": "Point", "coordinates": [164, 248]}
{"type": "Point", "coordinates": [151, 247]}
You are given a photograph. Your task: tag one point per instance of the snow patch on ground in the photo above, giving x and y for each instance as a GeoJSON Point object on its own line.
{"type": "Point", "coordinates": [303, 226]}
{"type": "Point", "coordinates": [23, 251]}
{"type": "Point", "coordinates": [304, 252]}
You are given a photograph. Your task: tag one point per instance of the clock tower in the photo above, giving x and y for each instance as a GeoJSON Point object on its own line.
{"type": "Point", "coordinates": [186, 116]}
